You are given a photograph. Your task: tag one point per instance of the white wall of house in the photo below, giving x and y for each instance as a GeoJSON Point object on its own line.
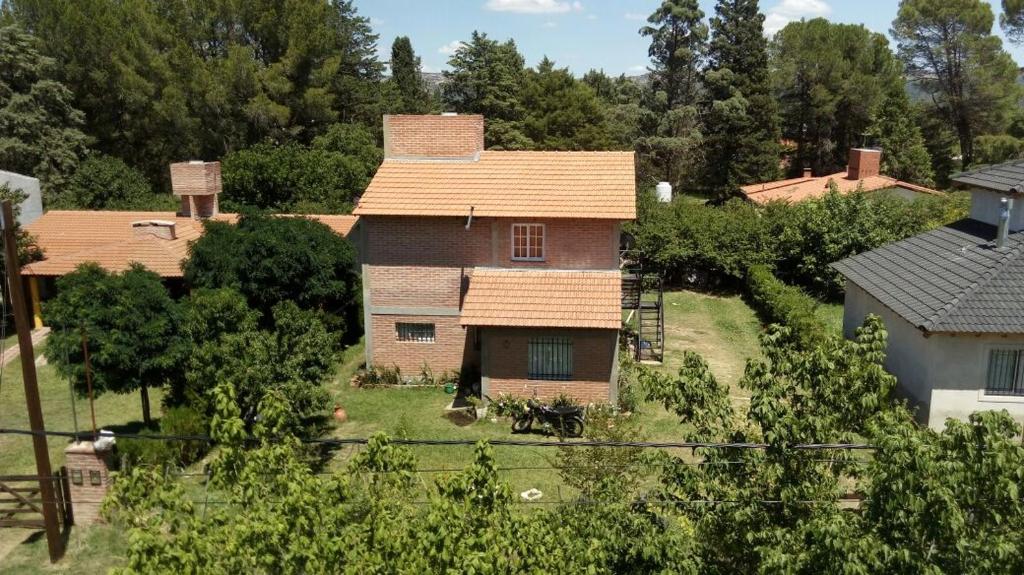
{"type": "Point", "coordinates": [32, 207]}
{"type": "Point", "coordinates": [986, 206]}
{"type": "Point", "coordinates": [944, 375]}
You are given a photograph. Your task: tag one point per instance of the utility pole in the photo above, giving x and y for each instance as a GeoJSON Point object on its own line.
{"type": "Point", "coordinates": [28, 370]}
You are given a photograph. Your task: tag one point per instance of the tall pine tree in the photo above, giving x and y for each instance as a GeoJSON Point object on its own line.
{"type": "Point", "coordinates": [741, 119]}
{"type": "Point", "coordinates": [671, 136]}
{"type": "Point", "coordinates": [407, 79]}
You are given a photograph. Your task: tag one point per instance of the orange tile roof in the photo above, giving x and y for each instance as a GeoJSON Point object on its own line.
{"type": "Point", "coordinates": [800, 189]}
{"type": "Point", "coordinates": [71, 238]}
{"type": "Point", "coordinates": [507, 184]}
{"type": "Point", "coordinates": [543, 298]}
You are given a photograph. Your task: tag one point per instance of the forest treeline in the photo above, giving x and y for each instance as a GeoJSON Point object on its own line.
{"type": "Point", "coordinates": [98, 96]}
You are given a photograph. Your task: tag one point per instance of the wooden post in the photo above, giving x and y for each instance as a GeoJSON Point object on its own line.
{"type": "Point", "coordinates": [28, 370]}
{"type": "Point", "coordinates": [37, 308]}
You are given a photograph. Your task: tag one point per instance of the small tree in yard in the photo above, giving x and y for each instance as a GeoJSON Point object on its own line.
{"type": "Point", "coordinates": [129, 323]}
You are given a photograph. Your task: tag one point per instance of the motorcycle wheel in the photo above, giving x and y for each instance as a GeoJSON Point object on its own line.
{"type": "Point", "coordinates": [521, 424]}
{"type": "Point", "coordinates": [572, 427]}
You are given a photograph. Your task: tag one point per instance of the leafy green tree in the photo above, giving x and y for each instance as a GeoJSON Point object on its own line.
{"type": "Point", "coordinates": [832, 80]}
{"type": "Point", "coordinates": [997, 149]}
{"type": "Point", "coordinates": [678, 46]}
{"type": "Point", "coordinates": [1012, 20]}
{"type": "Point", "coordinates": [159, 82]}
{"type": "Point", "coordinates": [106, 183]}
{"type": "Point", "coordinates": [40, 126]}
{"type": "Point", "coordinates": [292, 178]}
{"type": "Point", "coordinates": [406, 75]}
{"type": "Point", "coordinates": [129, 323]}
{"type": "Point", "coordinates": [487, 77]}
{"type": "Point", "coordinates": [671, 129]}
{"type": "Point", "coordinates": [949, 51]}
{"type": "Point", "coordinates": [741, 119]}
{"type": "Point", "coordinates": [904, 155]}
{"type": "Point", "coordinates": [562, 112]}
{"type": "Point", "coordinates": [275, 259]}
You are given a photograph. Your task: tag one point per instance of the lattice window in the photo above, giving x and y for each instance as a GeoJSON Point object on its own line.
{"type": "Point", "coordinates": [549, 358]}
{"type": "Point", "coordinates": [416, 332]}
{"type": "Point", "coordinates": [528, 242]}
{"type": "Point", "coordinates": [1005, 372]}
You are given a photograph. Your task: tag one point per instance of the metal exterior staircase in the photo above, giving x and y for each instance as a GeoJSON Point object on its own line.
{"type": "Point", "coordinates": [648, 317]}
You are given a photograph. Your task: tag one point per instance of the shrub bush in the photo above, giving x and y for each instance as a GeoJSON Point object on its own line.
{"type": "Point", "coordinates": [785, 305]}
{"type": "Point", "coordinates": [175, 421]}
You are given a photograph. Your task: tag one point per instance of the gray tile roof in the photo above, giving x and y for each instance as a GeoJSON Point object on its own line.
{"type": "Point", "coordinates": [1000, 177]}
{"type": "Point", "coordinates": [950, 280]}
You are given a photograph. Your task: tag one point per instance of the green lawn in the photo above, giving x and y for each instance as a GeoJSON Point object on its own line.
{"type": "Point", "coordinates": [92, 549]}
{"type": "Point", "coordinates": [832, 315]}
{"type": "Point", "coordinates": [723, 329]}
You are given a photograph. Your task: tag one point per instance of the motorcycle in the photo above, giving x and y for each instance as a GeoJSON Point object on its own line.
{"type": "Point", "coordinates": [567, 421]}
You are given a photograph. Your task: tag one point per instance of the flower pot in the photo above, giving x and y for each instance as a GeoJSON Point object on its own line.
{"type": "Point", "coordinates": [340, 415]}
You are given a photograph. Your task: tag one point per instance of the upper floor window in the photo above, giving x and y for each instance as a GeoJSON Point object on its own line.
{"type": "Point", "coordinates": [528, 242]}
{"type": "Point", "coordinates": [1005, 372]}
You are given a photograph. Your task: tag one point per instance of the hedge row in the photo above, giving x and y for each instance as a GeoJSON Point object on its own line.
{"type": "Point", "coordinates": [785, 305]}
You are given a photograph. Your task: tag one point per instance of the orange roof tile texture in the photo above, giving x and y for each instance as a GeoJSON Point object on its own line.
{"type": "Point", "coordinates": [543, 298]}
{"type": "Point", "coordinates": [507, 184]}
{"type": "Point", "coordinates": [71, 238]}
{"type": "Point", "coordinates": [800, 189]}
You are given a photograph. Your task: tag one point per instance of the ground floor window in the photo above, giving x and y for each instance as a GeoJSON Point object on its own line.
{"type": "Point", "coordinates": [1005, 372]}
{"type": "Point", "coordinates": [549, 358]}
{"type": "Point", "coordinates": [417, 332]}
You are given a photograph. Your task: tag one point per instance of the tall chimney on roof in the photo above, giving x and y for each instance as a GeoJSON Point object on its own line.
{"type": "Point", "coordinates": [864, 163]}
{"type": "Point", "coordinates": [198, 185]}
{"type": "Point", "coordinates": [433, 137]}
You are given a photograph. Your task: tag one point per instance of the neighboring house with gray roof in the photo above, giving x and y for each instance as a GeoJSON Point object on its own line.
{"type": "Point", "coordinates": [952, 300]}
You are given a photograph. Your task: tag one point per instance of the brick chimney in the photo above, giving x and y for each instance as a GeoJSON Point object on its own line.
{"type": "Point", "coordinates": [162, 229]}
{"type": "Point", "coordinates": [445, 136]}
{"type": "Point", "coordinates": [864, 163]}
{"type": "Point", "coordinates": [198, 185]}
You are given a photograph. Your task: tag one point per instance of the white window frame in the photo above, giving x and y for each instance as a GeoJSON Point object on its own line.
{"type": "Point", "coordinates": [530, 233]}
{"type": "Point", "coordinates": [412, 336]}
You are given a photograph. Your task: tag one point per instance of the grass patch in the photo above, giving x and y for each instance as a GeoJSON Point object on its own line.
{"type": "Point", "coordinates": [832, 315]}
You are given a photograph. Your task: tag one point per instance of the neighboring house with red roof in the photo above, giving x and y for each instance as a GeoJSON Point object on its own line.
{"type": "Point", "coordinates": [863, 173]}
{"type": "Point", "coordinates": [502, 264]}
{"type": "Point", "coordinates": [117, 239]}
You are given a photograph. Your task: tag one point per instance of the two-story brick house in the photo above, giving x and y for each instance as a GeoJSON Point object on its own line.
{"type": "Point", "coordinates": [502, 264]}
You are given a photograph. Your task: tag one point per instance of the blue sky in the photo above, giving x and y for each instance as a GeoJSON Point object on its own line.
{"type": "Point", "coordinates": [581, 34]}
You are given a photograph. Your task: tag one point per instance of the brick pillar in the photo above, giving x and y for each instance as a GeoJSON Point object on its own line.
{"type": "Point", "coordinates": [88, 479]}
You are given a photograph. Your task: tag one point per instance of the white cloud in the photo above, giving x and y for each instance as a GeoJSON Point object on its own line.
{"type": "Point", "coordinates": [591, 16]}
{"type": "Point", "coordinates": [430, 69]}
{"type": "Point", "coordinates": [450, 47]}
{"type": "Point", "coordinates": [788, 11]}
{"type": "Point", "coordinates": [549, 24]}
{"type": "Point", "coordinates": [375, 21]}
{"type": "Point", "coordinates": [534, 6]}
{"type": "Point", "coordinates": [641, 68]}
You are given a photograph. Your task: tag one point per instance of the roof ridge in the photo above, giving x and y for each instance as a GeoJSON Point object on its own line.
{"type": "Point", "coordinates": [947, 310]}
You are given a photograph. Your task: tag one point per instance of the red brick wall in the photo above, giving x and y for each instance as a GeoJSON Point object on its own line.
{"type": "Point", "coordinates": [452, 344]}
{"type": "Point", "coordinates": [568, 244]}
{"type": "Point", "coordinates": [506, 363]}
{"type": "Point", "coordinates": [86, 499]}
{"type": "Point", "coordinates": [863, 163]}
{"type": "Point", "coordinates": [433, 135]}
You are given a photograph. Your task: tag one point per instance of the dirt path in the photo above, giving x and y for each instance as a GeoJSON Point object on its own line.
{"type": "Point", "coordinates": [38, 335]}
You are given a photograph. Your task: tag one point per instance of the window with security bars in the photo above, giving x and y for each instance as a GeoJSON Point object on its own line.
{"type": "Point", "coordinates": [528, 242]}
{"type": "Point", "coordinates": [1005, 367]}
{"type": "Point", "coordinates": [549, 358]}
{"type": "Point", "coordinates": [417, 332]}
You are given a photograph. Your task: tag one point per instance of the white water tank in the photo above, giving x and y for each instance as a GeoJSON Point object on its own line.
{"type": "Point", "coordinates": [664, 190]}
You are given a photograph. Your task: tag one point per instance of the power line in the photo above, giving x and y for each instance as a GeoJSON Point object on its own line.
{"type": "Point", "coordinates": [472, 442]}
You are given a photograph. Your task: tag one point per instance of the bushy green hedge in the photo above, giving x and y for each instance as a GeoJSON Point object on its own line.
{"type": "Point", "coordinates": [175, 421]}
{"type": "Point", "coordinates": [690, 242]}
{"type": "Point", "coordinates": [785, 305]}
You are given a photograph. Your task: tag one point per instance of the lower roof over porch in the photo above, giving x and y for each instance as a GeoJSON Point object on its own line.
{"type": "Point", "coordinates": [543, 298]}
